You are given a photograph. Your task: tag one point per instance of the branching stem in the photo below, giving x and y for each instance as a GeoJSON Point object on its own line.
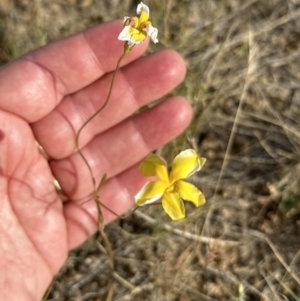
{"type": "Point", "coordinates": [96, 188]}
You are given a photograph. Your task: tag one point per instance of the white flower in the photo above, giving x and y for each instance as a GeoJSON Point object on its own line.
{"type": "Point", "coordinates": [136, 29]}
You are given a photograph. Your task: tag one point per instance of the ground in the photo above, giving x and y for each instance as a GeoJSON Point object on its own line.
{"type": "Point", "coordinates": [243, 82]}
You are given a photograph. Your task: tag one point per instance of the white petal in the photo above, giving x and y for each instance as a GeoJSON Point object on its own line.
{"type": "Point", "coordinates": [125, 36]}
{"type": "Point", "coordinates": [142, 7]}
{"type": "Point", "coordinates": [152, 33]}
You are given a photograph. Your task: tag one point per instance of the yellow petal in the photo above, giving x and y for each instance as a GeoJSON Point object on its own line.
{"type": "Point", "coordinates": [189, 192]}
{"type": "Point", "coordinates": [154, 166]}
{"type": "Point", "coordinates": [143, 17]}
{"type": "Point", "coordinates": [150, 192]}
{"type": "Point", "coordinates": [173, 205]}
{"type": "Point", "coordinates": [136, 35]}
{"type": "Point", "coordinates": [185, 164]}
{"type": "Point", "coordinates": [142, 8]}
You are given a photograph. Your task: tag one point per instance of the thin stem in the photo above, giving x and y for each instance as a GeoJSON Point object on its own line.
{"type": "Point", "coordinates": [48, 291]}
{"type": "Point", "coordinates": [110, 286]}
{"type": "Point", "coordinates": [97, 188]}
{"type": "Point", "coordinates": [93, 116]}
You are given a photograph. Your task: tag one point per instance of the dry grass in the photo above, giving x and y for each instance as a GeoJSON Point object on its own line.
{"type": "Point", "coordinates": [243, 80]}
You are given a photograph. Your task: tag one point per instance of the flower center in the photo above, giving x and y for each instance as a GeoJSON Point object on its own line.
{"type": "Point", "coordinates": [170, 188]}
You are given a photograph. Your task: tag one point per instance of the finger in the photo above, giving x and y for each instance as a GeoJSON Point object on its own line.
{"type": "Point", "coordinates": [136, 84]}
{"type": "Point", "coordinates": [122, 146]}
{"type": "Point", "coordinates": [43, 77]}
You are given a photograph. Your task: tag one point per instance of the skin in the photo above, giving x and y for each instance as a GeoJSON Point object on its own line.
{"type": "Point", "coordinates": [46, 96]}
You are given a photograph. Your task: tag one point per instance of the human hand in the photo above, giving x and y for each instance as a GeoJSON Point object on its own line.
{"type": "Point", "coordinates": [46, 96]}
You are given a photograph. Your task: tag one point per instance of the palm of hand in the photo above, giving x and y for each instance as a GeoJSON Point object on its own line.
{"type": "Point", "coordinates": [47, 95]}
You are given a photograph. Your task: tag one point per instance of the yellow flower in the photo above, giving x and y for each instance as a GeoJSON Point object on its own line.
{"type": "Point", "coordinates": [136, 29]}
{"type": "Point", "coordinates": [170, 187]}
